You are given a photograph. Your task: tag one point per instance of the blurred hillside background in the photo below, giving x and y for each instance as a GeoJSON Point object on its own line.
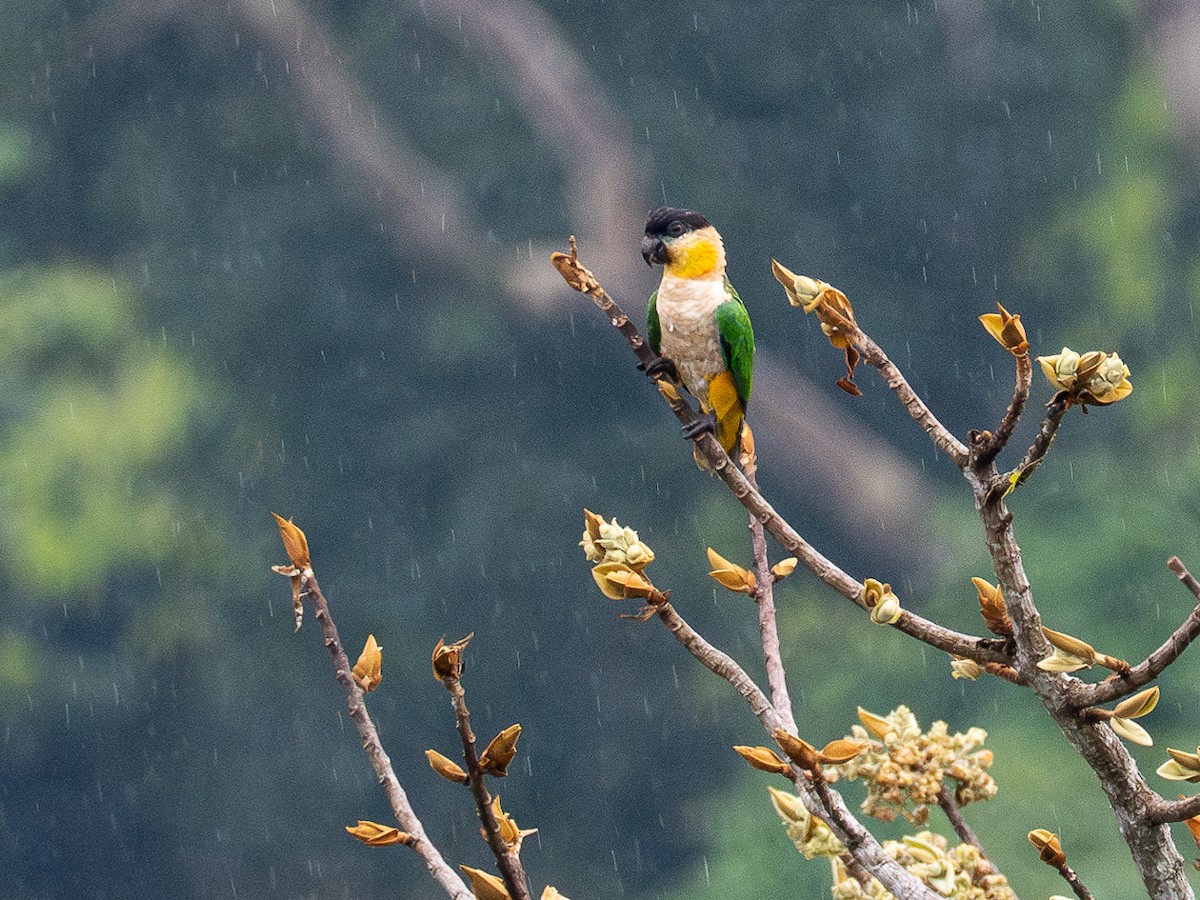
{"type": "Point", "coordinates": [279, 255]}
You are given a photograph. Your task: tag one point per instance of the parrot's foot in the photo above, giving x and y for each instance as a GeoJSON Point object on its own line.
{"type": "Point", "coordinates": [706, 424]}
{"type": "Point", "coordinates": [661, 367]}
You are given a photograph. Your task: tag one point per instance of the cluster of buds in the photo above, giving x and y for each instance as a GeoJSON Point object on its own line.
{"type": "Point", "coordinates": [449, 661]}
{"type": "Point", "coordinates": [883, 603]}
{"type": "Point", "coordinates": [802, 753]}
{"type": "Point", "coordinates": [904, 768]}
{"type": "Point", "coordinates": [620, 557]}
{"type": "Point", "coordinates": [610, 542]}
{"type": "Point", "coordinates": [961, 872]}
{"type": "Point", "coordinates": [833, 311]}
{"type": "Point", "coordinates": [1096, 377]}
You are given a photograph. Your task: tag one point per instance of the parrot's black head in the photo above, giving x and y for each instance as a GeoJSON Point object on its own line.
{"type": "Point", "coordinates": [664, 225]}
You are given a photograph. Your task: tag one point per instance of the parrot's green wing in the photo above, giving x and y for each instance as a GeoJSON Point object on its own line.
{"type": "Point", "coordinates": [737, 341]}
{"type": "Point", "coordinates": [653, 328]}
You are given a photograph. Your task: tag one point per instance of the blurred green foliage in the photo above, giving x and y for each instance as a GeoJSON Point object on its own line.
{"type": "Point", "coordinates": [200, 320]}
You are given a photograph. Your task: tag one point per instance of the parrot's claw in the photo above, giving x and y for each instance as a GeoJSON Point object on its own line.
{"type": "Point", "coordinates": [661, 367]}
{"type": "Point", "coordinates": [706, 424]}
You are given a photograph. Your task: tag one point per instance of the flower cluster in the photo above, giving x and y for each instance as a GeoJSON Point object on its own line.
{"type": "Point", "coordinates": [609, 542]}
{"type": "Point", "coordinates": [904, 768]}
{"type": "Point", "coordinates": [619, 558]}
{"type": "Point", "coordinates": [961, 873]}
{"type": "Point", "coordinates": [1095, 377]}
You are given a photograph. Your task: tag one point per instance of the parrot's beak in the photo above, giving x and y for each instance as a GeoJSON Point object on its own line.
{"type": "Point", "coordinates": [654, 251]}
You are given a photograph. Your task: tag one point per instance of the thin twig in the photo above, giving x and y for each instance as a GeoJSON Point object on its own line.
{"type": "Point", "coordinates": [764, 599]}
{"type": "Point", "coordinates": [1078, 887]}
{"type": "Point", "coordinates": [997, 441]}
{"type": "Point", "coordinates": [982, 650]}
{"type": "Point", "coordinates": [898, 384]}
{"type": "Point", "coordinates": [441, 872]}
{"type": "Point", "coordinates": [1055, 410]}
{"type": "Point", "coordinates": [1083, 695]}
{"type": "Point", "coordinates": [507, 858]}
{"type": "Point", "coordinates": [965, 832]}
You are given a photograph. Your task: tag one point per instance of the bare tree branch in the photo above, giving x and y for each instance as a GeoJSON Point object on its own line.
{"type": "Point", "coordinates": [764, 600]}
{"type": "Point", "coordinates": [438, 868]}
{"type": "Point", "coordinates": [1154, 852]}
{"type": "Point", "coordinates": [1155, 664]}
{"type": "Point", "coordinates": [981, 650]}
{"type": "Point", "coordinates": [507, 858]}
{"type": "Point", "coordinates": [898, 384]}
{"type": "Point", "coordinates": [993, 444]}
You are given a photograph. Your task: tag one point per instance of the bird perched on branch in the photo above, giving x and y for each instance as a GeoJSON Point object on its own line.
{"type": "Point", "coordinates": [697, 323]}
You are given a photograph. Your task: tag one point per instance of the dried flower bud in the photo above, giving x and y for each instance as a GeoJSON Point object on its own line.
{"type": "Point", "coordinates": [784, 568]}
{"type": "Point", "coordinates": [500, 752]}
{"type": "Point", "coordinates": [446, 767]}
{"type": "Point", "coordinates": [967, 669]}
{"type": "Point", "coordinates": [295, 544]}
{"type": "Point", "coordinates": [448, 659]}
{"type": "Point", "coordinates": [1138, 705]}
{"type": "Point", "coordinates": [841, 751]}
{"type": "Point", "coordinates": [1007, 329]}
{"type": "Point", "coordinates": [375, 835]}
{"type": "Point", "coordinates": [800, 751]}
{"type": "Point", "coordinates": [1049, 849]}
{"type": "Point", "coordinates": [368, 671]}
{"type": "Point", "coordinates": [1181, 766]}
{"type": "Point", "coordinates": [486, 886]}
{"type": "Point", "coordinates": [764, 759]}
{"type": "Point", "coordinates": [509, 832]}
{"type": "Point", "coordinates": [993, 608]}
{"type": "Point", "coordinates": [875, 724]}
{"type": "Point", "coordinates": [730, 575]}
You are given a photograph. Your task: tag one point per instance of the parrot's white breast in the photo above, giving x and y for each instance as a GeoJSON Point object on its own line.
{"type": "Point", "coordinates": [687, 314]}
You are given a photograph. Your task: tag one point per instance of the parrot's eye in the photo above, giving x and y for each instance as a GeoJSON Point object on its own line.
{"type": "Point", "coordinates": [675, 229]}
